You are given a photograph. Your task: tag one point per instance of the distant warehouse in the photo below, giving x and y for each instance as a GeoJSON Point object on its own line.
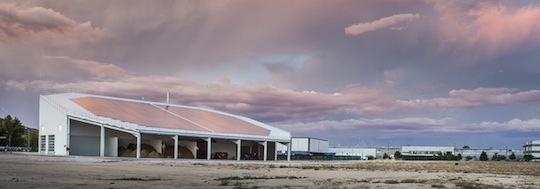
{"type": "Point", "coordinates": [92, 125]}
{"type": "Point", "coordinates": [532, 148]}
{"type": "Point", "coordinates": [428, 153]}
{"type": "Point", "coordinates": [306, 146]}
{"type": "Point", "coordinates": [365, 153]}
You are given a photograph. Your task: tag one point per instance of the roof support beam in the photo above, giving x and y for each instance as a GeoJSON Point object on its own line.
{"type": "Point", "coordinates": [275, 151]}
{"type": "Point", "coordinates": [102, 142]}
{"type": "Point", "coordinates": [139, 136]}
{"type": "Point", "coordinates": [265, 149]}
{"type": "Point", "coordinates": [238, 149]}
{"type": "Point", "coordinates": [209, 149]}
{"type": "Point", "coordinates": [289, 151]}
{"type": "Point", "coordinates": [175, 146]}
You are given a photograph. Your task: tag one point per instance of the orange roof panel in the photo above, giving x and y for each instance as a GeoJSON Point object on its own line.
{"type": "Point", "coordinates": [150, 115]}
{"type": "Point", "coordinates": [139, 113]}
{"type": "Point", "coordinates": [219, 122]}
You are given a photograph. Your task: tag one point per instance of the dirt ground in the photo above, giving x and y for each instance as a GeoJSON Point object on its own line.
{"type": "Point", "coordinates": [27, 170]}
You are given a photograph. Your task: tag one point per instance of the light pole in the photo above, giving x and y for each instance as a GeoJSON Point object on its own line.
{"type": "Point", "coordinates": [28, 134]}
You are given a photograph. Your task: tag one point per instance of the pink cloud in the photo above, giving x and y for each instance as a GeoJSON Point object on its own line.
{"type": "Point", "coordinates": [474, 98]}
{"type": "Point", "coordinates": [38, 24]}
{"type": "Point", "coordinates": [413, 124]}
{"type": "Point", "coordinates": [486, 29]}
{"type": "Point", "coordinates": [359, 28]}
{"type": "Point", "coordinates": [257, 101]}
{"type": "Point", "coordinates": [98, 69]}
{"type": "Point", "coordinates": [500, 29]}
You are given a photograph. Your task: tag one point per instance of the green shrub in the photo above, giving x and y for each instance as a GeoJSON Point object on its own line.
{"type": "Point", "coordinates": [391, 182]}
{"type": "Point", "coordinates": [409, 180]}
{"type": "Point", "coordinates": [438, 186]}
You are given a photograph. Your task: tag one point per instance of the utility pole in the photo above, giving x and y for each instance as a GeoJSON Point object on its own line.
{"type": "Point", "coordinates": [28, 134]}
{"type": "Point", "coordinates": [506, 156]}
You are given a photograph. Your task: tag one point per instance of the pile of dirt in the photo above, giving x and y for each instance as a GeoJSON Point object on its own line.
{"type": "Point", "coordinates": [183, 152]}
{"type": "Point", "coordinates": [147, 151]}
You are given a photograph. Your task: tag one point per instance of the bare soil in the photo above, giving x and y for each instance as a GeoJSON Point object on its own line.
{"type": "Point", "coordinates": [28, 170]}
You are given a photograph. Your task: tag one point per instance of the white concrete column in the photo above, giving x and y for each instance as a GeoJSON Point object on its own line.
{"type": "Point", "coordinates": [265, 146]}
{"type": "Point", "coordinates": [175, 146]}
{"type": "Point", "coordinates": [139, 136]}
{"type": "Point", "coordinates": [238, 149]}
{"type": "Point", "coordinates": [275, 150]}
{"type": "Point", "coordinates": [102, 142]}
{"type": "Point", "coordinates": [209, 149]}
{"type": "Point", "coordinates": [289, 151]}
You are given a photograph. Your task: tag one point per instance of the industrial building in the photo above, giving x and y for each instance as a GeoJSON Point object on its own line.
{"type": "Point", "coordinates": [306, 146]}
{"type": "Point", "coordinates": [93, 125]}
{"type": "Point", "coordinates": [426, 150]}
{"type": "Point", "coordinates": [365, 153]}
{"type": "Point", "coordinates": [474, 154]}
{"type": "Point", "coordinates": [532, 148]}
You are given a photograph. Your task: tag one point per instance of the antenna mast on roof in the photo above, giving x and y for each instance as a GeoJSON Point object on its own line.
{"type": "Point", "coordinates": [168, 100]}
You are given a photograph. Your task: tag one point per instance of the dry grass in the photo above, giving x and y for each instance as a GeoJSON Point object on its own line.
{"type": "Point", "coordinates": [90, 172]}
{"type": "Point", "coordinates": [491, 167]}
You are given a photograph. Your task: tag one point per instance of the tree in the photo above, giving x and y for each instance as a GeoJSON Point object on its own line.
{"type": "Point", "coordinates": [397, 155]}
{"type": "Point", "coordinates": [483, 156]}
{"type": "Point", "coordinates": [13, 130]}
{"type": "Point", "coordinates": [466, 147]}
{"type": "Point", "coordinates": [495, 157]}
{"type": "Point", "coordinates": [385, 156]}
{"type": "Point", "coordinates": [528, 157]}
{"type": "Point", "coordinates": [512, 156]}
{"type": "Point", "coordinates": [459, 157]}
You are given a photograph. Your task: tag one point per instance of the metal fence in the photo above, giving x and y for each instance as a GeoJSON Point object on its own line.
{"type": "Point", "coordinates": [15, 149]}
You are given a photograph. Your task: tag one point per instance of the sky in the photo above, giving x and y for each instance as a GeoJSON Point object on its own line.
{"type": "Point", "coordinates": [357, 73]}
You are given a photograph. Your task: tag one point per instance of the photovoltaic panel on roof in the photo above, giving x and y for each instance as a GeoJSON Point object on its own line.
{"type": "Point", "coordinates": [138, 113]}
{"type": "Point", "coordinates": [150, 115]}
{"type": "Point", "coordinates": [219, 122]}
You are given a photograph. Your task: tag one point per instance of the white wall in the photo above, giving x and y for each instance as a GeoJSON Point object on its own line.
{"type": "Point", "coordinates": [111, 146]}
{"type": "Point", "coordinates": [532, 148]}
{"type": "Point", "coordinates": [53, 122]}
{"type": "Point", "coordinates": [317, 145]}
{"type": "Point", "coordinates": [305, 145]}
{"type": "Point", "coordinates": [300, 144]}
{"type": "Point", "coordinates": [354, 151]}
{"type": "Point", "coordinates": [426, 150]}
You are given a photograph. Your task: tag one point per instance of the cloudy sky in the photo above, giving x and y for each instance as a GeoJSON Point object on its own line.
{"type": "Point", "coordinates": [358, 73]}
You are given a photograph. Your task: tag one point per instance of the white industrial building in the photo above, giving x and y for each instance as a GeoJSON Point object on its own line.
{"type": "Point", "coordinates": [92, 125]}
{"type": "Point", "coordinates": [306, 145]}
{"type": "Point", "coordinates": [474, 154]}
{"type": "Point", "coordinates": [532, 148]}
{"type": "Point", "coordinates": [364, 152]}
{"type": "Point", "coordinates": [426, 150]}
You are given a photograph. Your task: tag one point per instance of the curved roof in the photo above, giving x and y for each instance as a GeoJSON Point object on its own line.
{"type": "Point", "coordinates": [155, 116]}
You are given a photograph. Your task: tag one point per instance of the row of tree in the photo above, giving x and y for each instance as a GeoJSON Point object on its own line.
{"type": "Point", "coordinates": [13, 133]}
{"type": "Point", "coordinates": [483, 157]}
